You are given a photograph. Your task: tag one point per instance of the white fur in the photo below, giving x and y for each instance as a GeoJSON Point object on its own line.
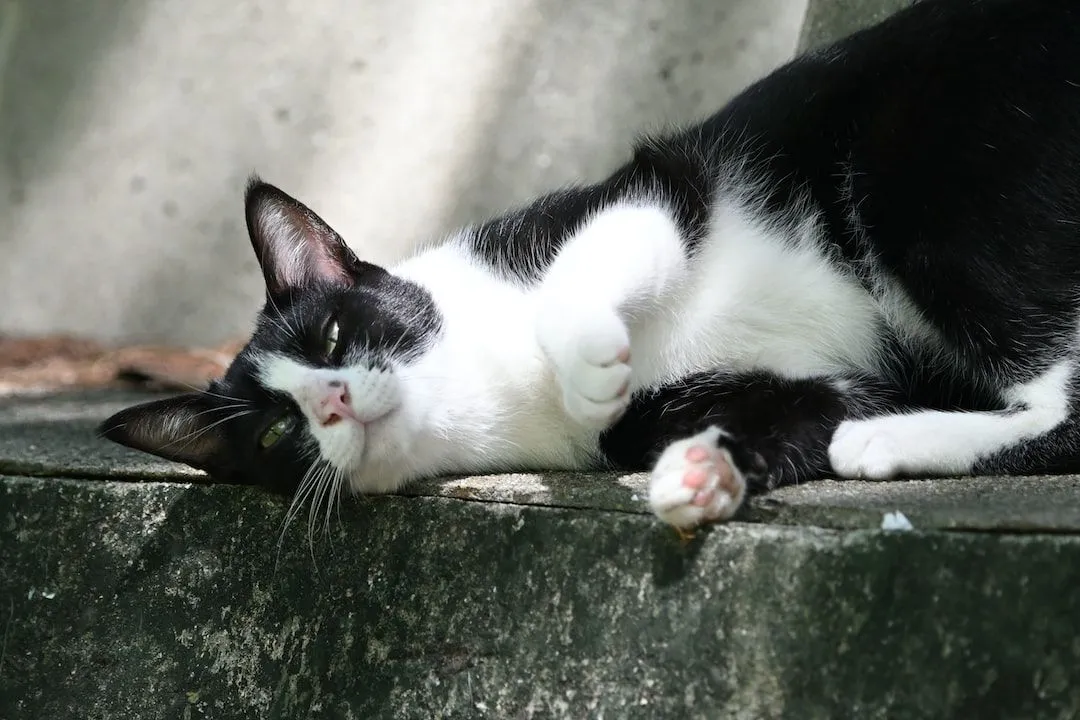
{"type": "Point", "coordinates": [375, 395]}
{"type": "Point", "coordinates": [758, 297]}
{"type": "Point", "coordinates": [949, 443]}
{"type": "Point", "coordinates": [586, 300]}
{"type": "Point", "coordinates": [526, 376]}
{"type": "Point", "coordinates": [467, 404]}
{"type": "Point", "coordinates": [899, 312]}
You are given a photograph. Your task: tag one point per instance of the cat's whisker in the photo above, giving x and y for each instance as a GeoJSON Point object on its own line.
{"type": "Point", "coordinates": [338, 493]}
{"type": "Point", "coordinates": [196, 434]}
{"type": "Point", "coordinates": [209, 393]}
{"type": "Point", "coordinates": [331, 485]}
{"type": "Point", "coordinates": [315, 505]}
{"type": "Point", "coordinates": [290, 513]}
{"type": "Point", "coordinates": [332, 500]}
{"type": "Point", "coordinates": [221, 408]}
{"type": "Point", "coordinates": [283, 323]}
{"type": "Point", "coordinates": [218, 395]}
{"type": "Point", "coordinates": [304, 490]}
{"type": "Point", "coordinates": [297, 502]}
{"type": "Point", "coordinates": [325, 501]}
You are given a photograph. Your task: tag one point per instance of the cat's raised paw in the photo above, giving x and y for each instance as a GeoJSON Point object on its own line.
{"type": "Point", "coordinates": [695, 481]}
{"type": "Point", "coordinates": [592, 363]}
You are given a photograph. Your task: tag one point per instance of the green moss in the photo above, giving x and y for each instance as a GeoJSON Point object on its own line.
{"type": "Point", "coordinates": [172, 600]}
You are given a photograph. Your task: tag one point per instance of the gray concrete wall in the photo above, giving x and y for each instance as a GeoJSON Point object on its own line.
{"type": "Point", "coordinates": [828, 20]}
{"type": "Point", "coordinates": [127, 130]}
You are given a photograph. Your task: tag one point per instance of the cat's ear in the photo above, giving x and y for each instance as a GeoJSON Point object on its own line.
{"type": "Point", "coordinates": [186, 429]}
{"type": "Point", "coordinates": [295, 247]}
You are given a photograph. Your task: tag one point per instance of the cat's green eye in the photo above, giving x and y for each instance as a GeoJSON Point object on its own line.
{"type": "Point", "coordinates": [330, 341]}
{"type": "Point", "coordinates": [275, 432]}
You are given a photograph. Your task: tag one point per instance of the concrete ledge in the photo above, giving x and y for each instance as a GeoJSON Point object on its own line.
{"type": "Point", "coordinates": [523, 596]}
{"type": "Point", "coordinates": [54, 437]}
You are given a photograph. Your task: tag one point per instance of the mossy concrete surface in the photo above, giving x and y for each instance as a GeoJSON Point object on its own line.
{"type": "Point", "coordinates": [53, 437]}
{"type": "Point", "coordinates": [129, 589]}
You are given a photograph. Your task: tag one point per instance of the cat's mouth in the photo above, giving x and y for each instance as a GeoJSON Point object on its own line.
{"type": "Point", "coordinates": [373, 461]}
{"type": "Point", "coordinates": [372, 428]}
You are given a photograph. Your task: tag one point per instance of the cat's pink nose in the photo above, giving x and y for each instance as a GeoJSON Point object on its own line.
{"type": "Point", "coordinates": [332, 404]}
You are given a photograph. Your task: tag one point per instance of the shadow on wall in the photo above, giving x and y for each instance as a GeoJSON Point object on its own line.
{"type": "Point", "coordinates": [48, 52]}
{"type": "Point", "coordinates": [129, 129]}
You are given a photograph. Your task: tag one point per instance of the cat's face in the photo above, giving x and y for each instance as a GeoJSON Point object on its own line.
{"type": "Point", "coordinates": [315, 401]}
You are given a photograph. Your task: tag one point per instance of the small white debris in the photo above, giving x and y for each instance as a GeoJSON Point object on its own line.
{"type": "Point", "coordinates": [635, 497]}
{"type": "Point", "coordinates": [896, 521]}
{"type": "Point", "coordinates": [45, 594]}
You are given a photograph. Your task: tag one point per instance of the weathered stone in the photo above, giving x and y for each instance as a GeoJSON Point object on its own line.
{"type": "Point", "coordinates": [518, 596]}
{"type": "Point", "coordinates": [1008, 504]}
{"type": "Point", "coordinates": [54, 437]}
{"type": "Point", "coordinates": [170, 600]}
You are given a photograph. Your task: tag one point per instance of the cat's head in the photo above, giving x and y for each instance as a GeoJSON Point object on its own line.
{"type": "Point", "coordinates": [316, 397]}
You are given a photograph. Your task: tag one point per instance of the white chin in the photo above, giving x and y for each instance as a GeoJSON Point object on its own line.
{"type": "Point", "coordinates": [343, 446]}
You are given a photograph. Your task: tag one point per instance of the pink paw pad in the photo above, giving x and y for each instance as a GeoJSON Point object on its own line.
{"type": "Point", "coordinates": [704, 498]}
{"type": "Point", "coordinates": [697, 454]}
{"type": "Point", "coordinates": [695, 481]}
{"type": "Point", "coordinates": [695, 478]}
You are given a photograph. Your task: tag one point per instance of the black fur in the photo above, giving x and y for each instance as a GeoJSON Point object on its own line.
{"type": "Point", "coordinates": [777, 429]}
{"type": "Point", "coordinates": [940, 153]}
{"type": "Point", "coordinates": [381, 317]}
{"type": "Point", "coordinates": [521, 244]}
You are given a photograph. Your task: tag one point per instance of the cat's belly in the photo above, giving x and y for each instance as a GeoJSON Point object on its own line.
{"type": "Point", "coordinates": [755, 300]}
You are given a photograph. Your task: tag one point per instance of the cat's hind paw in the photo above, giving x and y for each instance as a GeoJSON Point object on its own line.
{"type": "Point", "coordinates": [695, 481]}
{"type": "Point", "coordinates": [868, 449]}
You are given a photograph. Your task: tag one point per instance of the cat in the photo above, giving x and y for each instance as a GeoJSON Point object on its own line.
{"type": "Point", "coordinates": [866, 265]}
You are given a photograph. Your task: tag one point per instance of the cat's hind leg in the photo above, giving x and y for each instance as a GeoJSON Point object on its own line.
{"type": "Point", "coordinates": [1034, 433]}
{"type": "Point", "coordinates": [716, 437]}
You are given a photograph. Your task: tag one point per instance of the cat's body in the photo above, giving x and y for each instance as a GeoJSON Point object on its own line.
{"type": "Point", "coordinates": [867, 264]}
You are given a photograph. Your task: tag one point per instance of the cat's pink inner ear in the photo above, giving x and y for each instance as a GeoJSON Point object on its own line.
{"type": "Point", "coordinates": [295, 247]}
{"type": "Point", "coordinates": [308, 250]}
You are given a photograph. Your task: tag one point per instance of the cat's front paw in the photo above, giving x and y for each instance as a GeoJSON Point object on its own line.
{"type": "Point", "coordinates": [591, 357]}
{"type": "Point", "coordinates": [696, 481]}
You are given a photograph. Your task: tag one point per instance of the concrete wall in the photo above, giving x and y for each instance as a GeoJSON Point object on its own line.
{"type": "Point", "coordinates": [127, 130]}
{"type": "Point", "coordinates": [828, 20]}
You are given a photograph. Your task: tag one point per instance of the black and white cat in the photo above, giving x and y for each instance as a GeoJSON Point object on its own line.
{"type": "Point", "coordinates": [867, 265]}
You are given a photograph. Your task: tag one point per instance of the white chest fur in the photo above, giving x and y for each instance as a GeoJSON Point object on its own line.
{"type": "Point", "coordinates": [485, 386]}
